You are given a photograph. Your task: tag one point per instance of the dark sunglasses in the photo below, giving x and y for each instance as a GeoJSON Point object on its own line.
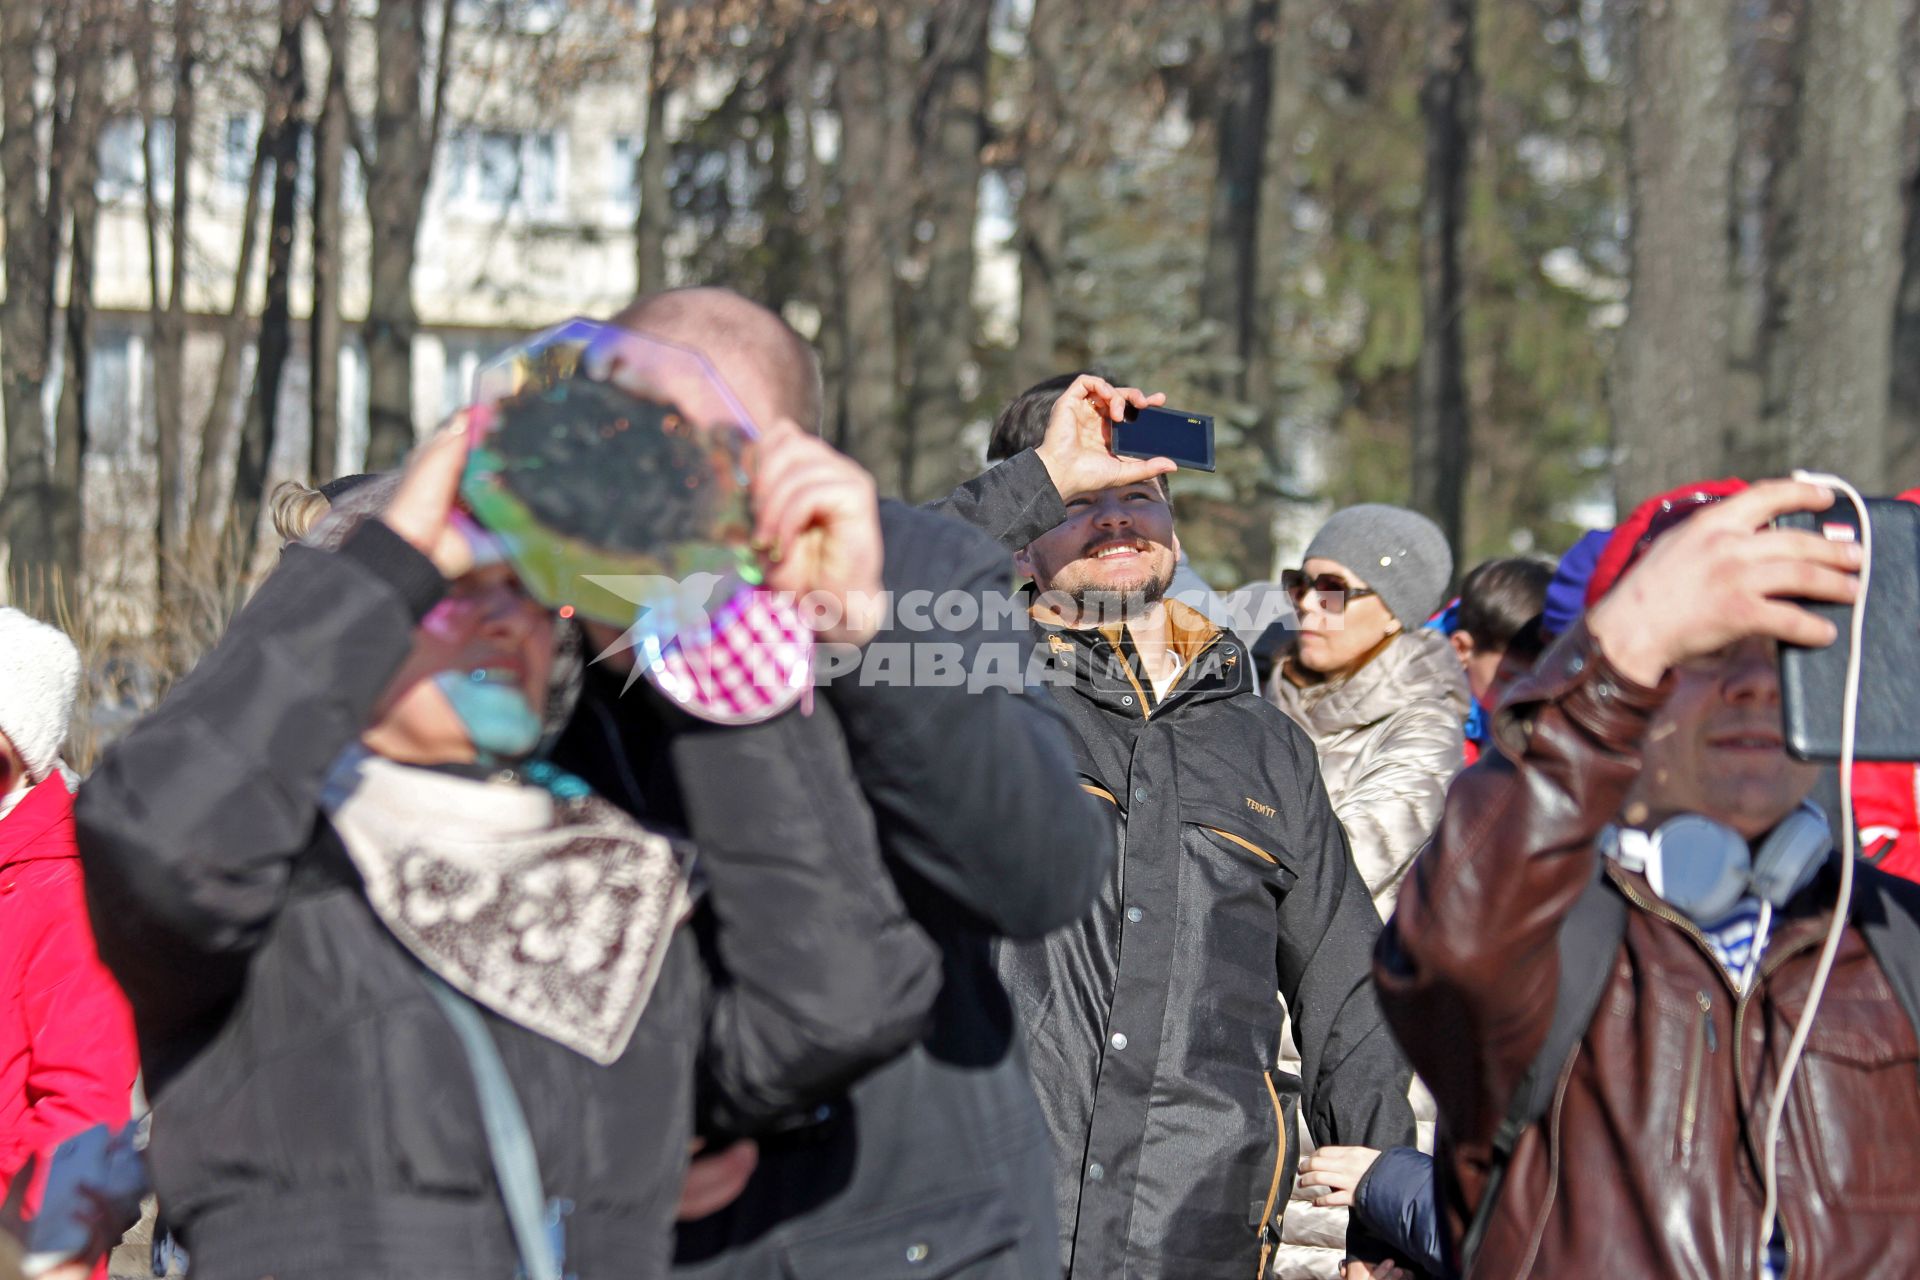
{"type": "Point", "coordinates": [1334, 591]}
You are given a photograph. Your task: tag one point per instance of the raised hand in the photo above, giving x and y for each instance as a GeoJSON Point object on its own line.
{"type": "Point", "coordinates": [1077, 448]}
{"type": "Point", "coordinates": [1725, 575]}
{"type": "Point", "coordinates": [817, 515]}
{"type": "Point", "coordinates": [422, 508]}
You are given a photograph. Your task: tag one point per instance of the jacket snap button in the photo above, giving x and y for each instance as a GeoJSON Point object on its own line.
{"type": "Point", "coordinates": [1576, 665]}
{"type": "Point", "coordinates": [1135, 914]}
{"type": "Point", "coordinates": [1119, 1040]}
{"type": "Point", "coordinates": [1126, 700]}
{"type": "Point", "coordinates": [1096, 1171]}
{"type": "Point", "coordinates": [1140, 793]}
{"type": "Point", "coordinates": [918, 1253]}
{"type": "Point", "coordinates": [1602, 689]}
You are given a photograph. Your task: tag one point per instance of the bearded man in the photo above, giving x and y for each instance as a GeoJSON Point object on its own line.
{"type": "Point", "coordinates": [1153, 1031]}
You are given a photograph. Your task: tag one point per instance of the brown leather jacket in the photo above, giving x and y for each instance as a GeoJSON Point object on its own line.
{"type": "Point", "coordinates": [1648, 1161]}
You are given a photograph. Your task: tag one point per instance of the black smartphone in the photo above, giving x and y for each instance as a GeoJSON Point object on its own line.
{"type": "Point", "coordinates": [1185, 437]}
{"type": "Point", "coordinates": [1813, 681]}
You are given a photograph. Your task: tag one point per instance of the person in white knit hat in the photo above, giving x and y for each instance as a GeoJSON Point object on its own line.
{"type": "Point", "coordinates": [39, 682]}
{"type": "Point", "coordinates": [67, 1053]}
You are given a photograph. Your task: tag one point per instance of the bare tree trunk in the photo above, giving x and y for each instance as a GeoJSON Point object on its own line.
{"type": "Point", "coordinates": [1903, 408]}
{"type": "Point", "coordinates": [814, 97]}
{"type": "Point", "coordinates": [280, 143]}
{"type": "Point", "coordinates": [76, 141]}
{"type": "Point", "coordinates": [26, 336]}
{"type": "Point", "coordinates": [329, 222]}
{"type": "Point", "coordinates": [396, 192]}
{"type": "Point", "coordinates": [1288, 102]}
{"type": "Point", "coordinates": [166, 306]}
{"type": "Point", "coordinates": [653, 218]}
{"type": "Point", "coordinates": [1669, 382]}
{"type": "Point", "coordinates": [1039, 234]}
{"type": "Point", "coordinates": [1828, 383]}
{"type": "Point", "coordinates": [218, 434]}
{"type": "Point", "coordinates": [950, 127]}
{"type": "Point", "coordinates": [871, 428]}
{"type": "Point", "coordinates": [1762, 52]}
{"type": "Point", "coordinates": [1903, 425]}
{"type": "Point", "coordinates": [1441, 429]}
{"type": "Point", "coordinates": [1231, 273]}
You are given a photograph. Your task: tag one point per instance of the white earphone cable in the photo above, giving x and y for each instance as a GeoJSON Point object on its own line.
{"type": "Point", "coordinates": [1843, 903]}
{"type": "Point", "coordinates": [1760, 932]}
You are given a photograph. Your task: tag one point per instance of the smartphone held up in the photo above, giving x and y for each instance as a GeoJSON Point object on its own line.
{"type": "Point", "coordinates": [1186, 438]}
{"type": "Point", "coordinates": [1813, 681]}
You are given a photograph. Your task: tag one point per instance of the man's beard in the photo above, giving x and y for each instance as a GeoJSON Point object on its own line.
{"type": "Point", "coordinates": [1100, 606]}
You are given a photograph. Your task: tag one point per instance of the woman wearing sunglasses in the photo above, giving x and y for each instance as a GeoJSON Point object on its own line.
{"type": "Point", "coordinates": [414, 1003]}
{"type": "Point", "coordinates": [1382, 699]}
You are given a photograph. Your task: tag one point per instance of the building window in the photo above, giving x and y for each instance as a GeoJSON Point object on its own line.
{"type": "Point", "coordinates": [461, 358]}
{"type": "Point", "coordinates": [529, 17]}
{"type": "Point", "coordinates": [122, 168]}
{"type": "Point", "coordinates": [236, 153]}
{"type": "Point", "coordinates": [115, 398]}
{"type": "Point", "coordinates": [623, 176]}
{"type": "Point", "coordinates": [494, 172]}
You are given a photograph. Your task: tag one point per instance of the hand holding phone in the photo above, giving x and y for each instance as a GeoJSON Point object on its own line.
{"type": "Point", "coordinates": [1813, 680]}
{"type": "Point", "coordinates": [1076, 449]}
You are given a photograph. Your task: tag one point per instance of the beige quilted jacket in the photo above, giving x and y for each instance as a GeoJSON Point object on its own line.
{"type": "Point", "coordinates": [1390, 741]}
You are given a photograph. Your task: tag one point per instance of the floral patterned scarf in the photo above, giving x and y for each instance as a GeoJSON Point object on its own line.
{"type": "Point", "coordinates": [527, 893]}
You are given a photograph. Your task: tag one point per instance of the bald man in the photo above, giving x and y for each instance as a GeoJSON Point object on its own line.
{"type": "Point", "coordinates": [987, 835]}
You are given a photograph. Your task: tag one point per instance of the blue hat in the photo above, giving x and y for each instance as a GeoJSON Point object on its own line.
{"type": "Point", "coordinates": [1567, 593]}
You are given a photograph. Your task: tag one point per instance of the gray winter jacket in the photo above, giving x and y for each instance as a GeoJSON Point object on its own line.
{"type": "Point", "coordinates": [1389, 739]}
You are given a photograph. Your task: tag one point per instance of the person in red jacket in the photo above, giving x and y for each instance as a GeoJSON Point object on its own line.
{"type": "Point", "coordinates": [67, 1053]}
{"type": "Point", "coordinates": [1886, 804]}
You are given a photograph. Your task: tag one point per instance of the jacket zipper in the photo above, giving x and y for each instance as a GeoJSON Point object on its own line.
{"type": "Point", "coordinates": [1704, 1043]}
{"type": "Point", "coordinates": [1146, 704]}
{"type": "Point", "coordinates": [1267, 1239]}
{"type": "Point", "coordinates": [1248, 845]}
{"type": "Point", "coordinates": [1768, 964]}
{"type": "Point", "coordinates": [1672, 917]}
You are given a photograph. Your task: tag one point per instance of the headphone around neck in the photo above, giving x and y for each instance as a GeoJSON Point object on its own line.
{"type": "Point", "coordinates": [1703, 868]}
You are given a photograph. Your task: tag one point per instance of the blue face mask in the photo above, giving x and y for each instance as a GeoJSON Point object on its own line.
{"type": "Point", "coordinates": [499, 720]}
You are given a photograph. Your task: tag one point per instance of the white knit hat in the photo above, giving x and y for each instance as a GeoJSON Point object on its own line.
{"type": "Point", "coordinates": [39, 681]}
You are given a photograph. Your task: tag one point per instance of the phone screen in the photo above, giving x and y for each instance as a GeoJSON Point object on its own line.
{"type": "Point", "coordinates": [1187, 438]}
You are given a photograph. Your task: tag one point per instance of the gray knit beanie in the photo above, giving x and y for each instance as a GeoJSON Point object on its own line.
{"type": "Point", "coordinates": [1399, 553]}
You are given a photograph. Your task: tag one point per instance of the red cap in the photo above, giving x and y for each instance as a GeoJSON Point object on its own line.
{"type": "Point", "coordinates": [1634, 533]}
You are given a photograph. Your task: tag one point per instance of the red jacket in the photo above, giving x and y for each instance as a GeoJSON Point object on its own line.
{"type": "Point", "coordinates": [67, 1055]}
{"type": "Point", "coordinates": [1886, 805]}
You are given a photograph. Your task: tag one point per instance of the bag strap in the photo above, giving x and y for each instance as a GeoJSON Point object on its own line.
{"type": "Point", "coordinates": [509, 1141]}
{"type": "Point", "coordinates": [1588, 941]}
{"type": "Point", "coordinates": [1892, 934]}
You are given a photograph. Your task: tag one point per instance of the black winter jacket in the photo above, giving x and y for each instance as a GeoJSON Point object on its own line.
{"type": "Point", "coordinates": [314, 1115]}
{"type": "Point", "coordinates": [937, 1164]}
{"type": "Point", "coordinates": [1153, 1026]}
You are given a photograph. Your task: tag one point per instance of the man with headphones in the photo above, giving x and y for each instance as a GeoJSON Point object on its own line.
{"type": "Point", "coordinates": [1600, 961]}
